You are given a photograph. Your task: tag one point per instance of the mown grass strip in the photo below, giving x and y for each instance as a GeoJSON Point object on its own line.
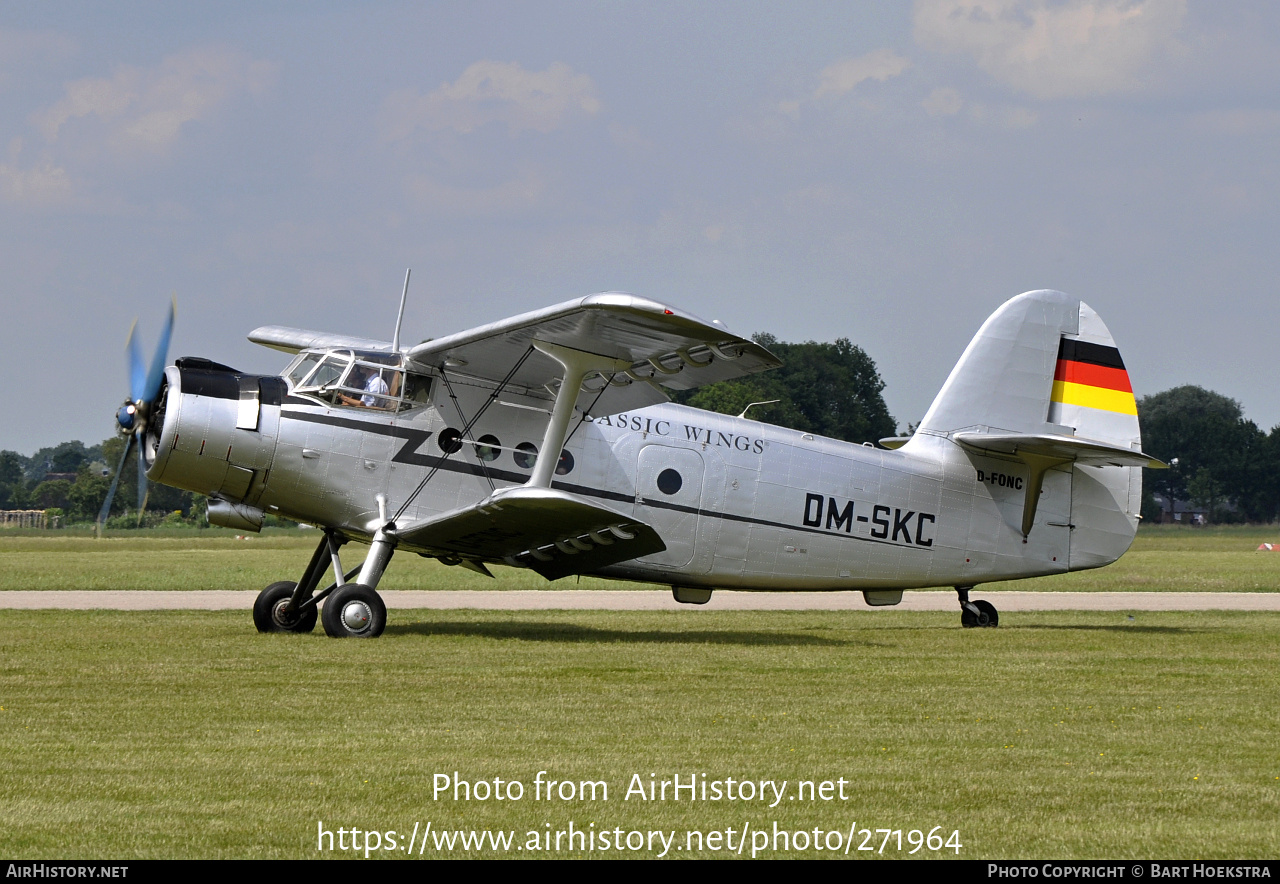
{"type": "Point", "coordinates": [1057, 735]}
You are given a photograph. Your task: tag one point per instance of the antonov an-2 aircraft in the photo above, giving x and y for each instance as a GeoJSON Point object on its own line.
{"type": "Point", "coordinates": [547, 441]}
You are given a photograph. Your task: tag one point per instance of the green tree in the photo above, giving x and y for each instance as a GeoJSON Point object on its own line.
{"type": "Point", "coordinates": [829, 389]}
{"type": "Point", "coordinates": [85, 497]}
{"type": "Point", "coordinates": [12, 466]}
{"type": "Point", "coordinates": [1207, 441]}
{"type": "Point", "coordinates": [50, 493]}
{"type": "Point", "coordinates": [160, 498]}
{"type": "Point", "coordinates": [12, 481]}
{"type": "Point", "coordinates": [65, 457]}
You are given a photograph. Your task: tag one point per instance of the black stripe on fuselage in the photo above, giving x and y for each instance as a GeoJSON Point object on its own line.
{"type": "Point", "coordinates": [410, 452]}
{"type": "Point", "coordinates": [1093, 354]}
{"type": "Point", "coordinates": [501, 475]}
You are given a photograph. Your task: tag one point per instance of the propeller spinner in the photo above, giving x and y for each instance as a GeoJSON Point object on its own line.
{"type": "Point", "coordinates": [134, 415]}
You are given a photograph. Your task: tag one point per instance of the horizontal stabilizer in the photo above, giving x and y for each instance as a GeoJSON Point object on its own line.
{"type": "Point", "coordinates": [550, 531]}
{"type": "Point", "coordinates": [1044, 451]}
{"type": "Point", "coordinates": [1063, 449]}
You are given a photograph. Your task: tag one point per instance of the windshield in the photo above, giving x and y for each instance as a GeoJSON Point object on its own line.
{"type": "Point", "coordinates": [356, 379]}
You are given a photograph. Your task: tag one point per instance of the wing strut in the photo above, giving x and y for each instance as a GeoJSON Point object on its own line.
{"type": "Point", "coordinates": [466, 434]}
{"type": "Point", "coordinates": [577, 365]}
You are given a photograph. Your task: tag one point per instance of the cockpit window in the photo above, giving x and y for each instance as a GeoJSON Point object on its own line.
{"type": "Point", "coordinates": [301, 367]}
{"type": "Point", "coordinates": [356, 379]}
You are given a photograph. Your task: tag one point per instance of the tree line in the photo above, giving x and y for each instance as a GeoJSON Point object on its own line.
{"type": "Point", "coordinates": [72, 479]}
{"type": "Point", "coordinates": [1219, 461]}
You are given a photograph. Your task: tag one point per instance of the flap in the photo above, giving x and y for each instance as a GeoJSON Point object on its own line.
{"type": "Point", "coordinates": [553, 532]}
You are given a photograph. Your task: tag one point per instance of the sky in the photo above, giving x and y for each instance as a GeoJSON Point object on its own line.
{"type": "Point", "coordinates": [886, 172]}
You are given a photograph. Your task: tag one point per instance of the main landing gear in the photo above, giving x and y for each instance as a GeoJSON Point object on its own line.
{"type": "Point", "coordinates": [979, 613]}
{"type": "Point", "coordinates": [351, 610]}
{"type": "Point", "coordinates": [273, 613]}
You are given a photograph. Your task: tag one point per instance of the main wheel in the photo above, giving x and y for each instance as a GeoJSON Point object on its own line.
{"type": "Point", "coordinates": [354, 611]}
{"type": "Point", "coordinates": [270, 614]}
{"type": "Point", "coordinates": [989, 610]}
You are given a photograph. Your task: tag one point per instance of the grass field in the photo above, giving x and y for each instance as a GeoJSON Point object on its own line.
{"type": "Point", "coordinates": [1059, 735]}
{"type": "Point", "coordinates": [1067, 735]}
{"type": "Point", "coordinates": [1163, 558]}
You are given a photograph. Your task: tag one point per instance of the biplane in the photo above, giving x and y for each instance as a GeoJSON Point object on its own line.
{"type": "Point", "coordinates": [548, 441]}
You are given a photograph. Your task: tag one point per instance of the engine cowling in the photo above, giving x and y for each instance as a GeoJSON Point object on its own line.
{"type": "Point", "coordinates": [211, 433]}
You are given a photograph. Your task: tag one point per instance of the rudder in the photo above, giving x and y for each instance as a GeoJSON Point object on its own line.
{"type": "Point", "coordinates": [1043, 382]}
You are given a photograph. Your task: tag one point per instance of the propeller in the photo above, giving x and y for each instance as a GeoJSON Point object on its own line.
{"type": "Point", "coordinates": [133, 416]}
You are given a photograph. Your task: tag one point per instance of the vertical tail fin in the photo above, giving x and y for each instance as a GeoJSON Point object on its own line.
{"type": "Point", "coordinates": [1043, 363]}
{"type": "Point", "coordinates": [1043, 382]}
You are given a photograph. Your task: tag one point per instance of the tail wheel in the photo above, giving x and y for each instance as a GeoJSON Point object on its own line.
{"type": "Point", "coordinates": [354, 611]}
{"type": "Point", "coordinates": [985, 616]}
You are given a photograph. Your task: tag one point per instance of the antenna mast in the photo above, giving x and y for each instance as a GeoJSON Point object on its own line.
{"type": "Point", "coordinates": [395, 341]}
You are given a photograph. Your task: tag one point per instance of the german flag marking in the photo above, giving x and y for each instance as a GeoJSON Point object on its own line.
{"type": "Point", "coordinates": [1094, 376]}
{"type": "Point", "coordinates": [1094, 397]}
{"type": "Point", "coordinates": [1094, 354]}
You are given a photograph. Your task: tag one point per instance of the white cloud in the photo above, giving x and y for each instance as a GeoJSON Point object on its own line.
{"type": "Point", "coordinates": [943, 103]}
{"type": "Point", "coordinates": [844, 76]}
{"type": "Point", "coordinates": [146, 108]}
{"type": "Point", "coordinates": [493, 92]}
{"type": "Point", "coordinates": [1019, 118]}
{"type": "Point", "coordinates": [837, 80]}
{"type": "Point", "coordinates": [1055, 50]}
{"type": "Point", "coordinates": [44, 184]}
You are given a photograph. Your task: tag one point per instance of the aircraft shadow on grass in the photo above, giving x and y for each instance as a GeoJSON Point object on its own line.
{"type": "Point", "coordinates": [1114, 627]}
{"type": "Point", "coordinates": [568, 632]}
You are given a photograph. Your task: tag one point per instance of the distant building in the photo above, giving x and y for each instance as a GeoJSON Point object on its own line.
{"type": "Point", "coordinates": [27, 519]}
{"type": "Point", "coordinates": [1180, 512]}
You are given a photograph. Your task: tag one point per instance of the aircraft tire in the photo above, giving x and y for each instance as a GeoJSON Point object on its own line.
{"type": "Point", "coordinates": [993, 617]}
{"type": "Point", "coordinates": [354, 611]}
{"type": "Point", "coordinates": [986, 616]}
{"type": "Point", "coordinates": [268, 610]}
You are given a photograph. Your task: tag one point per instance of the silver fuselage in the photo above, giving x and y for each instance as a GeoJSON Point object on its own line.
{"type": "Point", "coordinates": [738, 503]}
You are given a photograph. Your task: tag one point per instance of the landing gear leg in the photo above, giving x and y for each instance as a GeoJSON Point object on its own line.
{"type": "Point", "coordinates": [979, 613]}
{"type": "Point", "coordinates": [289, 606]}
{"type": "Point", "coordinates": [355, 610]}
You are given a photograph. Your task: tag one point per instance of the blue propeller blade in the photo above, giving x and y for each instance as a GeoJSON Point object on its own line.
{"type": "Point", "coordinates": [137, 371]}
{"type": "Point", "coordinates": [142, 481]}
{"type": "Point", "coordinates": [111, 495]}
{"type": "Point", "coordinates": [155, 377]}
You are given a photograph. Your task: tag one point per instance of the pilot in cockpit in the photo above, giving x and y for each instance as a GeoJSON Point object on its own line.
{"type": "Point", "coordinates": [375, 388]}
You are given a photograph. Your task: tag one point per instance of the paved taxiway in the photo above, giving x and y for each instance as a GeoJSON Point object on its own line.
{"type": "Point", "coordinates": [660, 600]}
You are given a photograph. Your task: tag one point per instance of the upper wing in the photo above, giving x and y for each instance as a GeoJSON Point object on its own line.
{"type": "Point", "coordinates": [293, 340]}
{"type": "Point", "coordinates": [665, 347]}
{"type": "Point", "coordinates": [551, 531]}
